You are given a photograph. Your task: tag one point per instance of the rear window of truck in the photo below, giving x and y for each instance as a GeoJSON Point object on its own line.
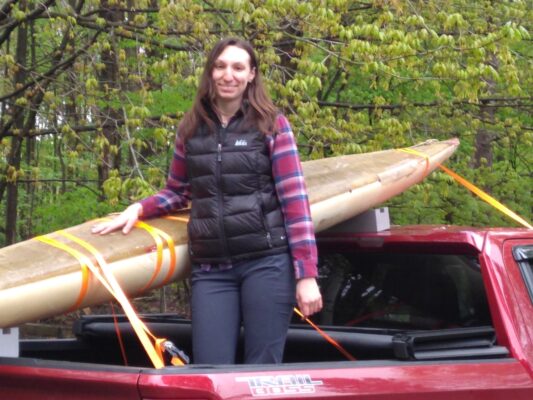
{"type": "Point", "coordinates": [399, 305]}
{"type": "Point", "coordinates": [402, 291]}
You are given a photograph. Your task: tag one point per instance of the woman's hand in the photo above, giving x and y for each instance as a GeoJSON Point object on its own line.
{"type": "Point", "coordinates": [308, 296]}
{"type": "Point", "coordinates": [125, 220]}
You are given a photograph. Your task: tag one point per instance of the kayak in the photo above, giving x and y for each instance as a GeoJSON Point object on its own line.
{"type": "Point", "coordinates": [48, 276]}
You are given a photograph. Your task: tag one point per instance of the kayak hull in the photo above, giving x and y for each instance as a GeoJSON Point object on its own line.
{"type": "Point", "coordinates": [38, 280]}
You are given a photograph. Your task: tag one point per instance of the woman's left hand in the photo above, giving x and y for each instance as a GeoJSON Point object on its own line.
{"type": "Point", "coordinates": [308, 296]}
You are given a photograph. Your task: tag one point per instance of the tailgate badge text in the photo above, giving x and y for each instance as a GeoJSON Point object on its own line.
{"type": "Point", "coordinates": [279, 384]}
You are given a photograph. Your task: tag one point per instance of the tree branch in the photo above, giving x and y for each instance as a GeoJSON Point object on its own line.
{"type": "Point", "coordinates": [5, 9]}
{"type": "Point", "coordinates": [91, 128]}
{"type": "Point", "coordinates": [129, 35]}
{"type": "Point", "coordinates": [52, 71]}
{"type": "Point", "coordinates": [481, 103]}
{"type": "Point", "coordinates": [154, 119]}
{"type": "Point", "coordinates": [132, 151]}
{"type": "Point", "coordinates": [41, 7]}
{"type": "Point", "coordinates": [78, 182]}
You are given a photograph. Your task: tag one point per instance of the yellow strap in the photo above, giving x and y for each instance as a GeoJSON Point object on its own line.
{"type": "Point", "coordinates": [417, 153]}
{"type": "Point", "coordinates": [474, 189]}
{"type": "Point", "coordinates": [486, 197]}
{"type": "Point", "coordinates": [85, 263]}
{"type": "Point", "coordinates": [156, 232]}
{"type": "Point", "coordinates": [159, 260]}
{"type": "Point", "coordinates": [176, 218]}
{"type": "Point", "coordinates": [138, 326]}
{"type": "Point", "coordinates": [159, 247]}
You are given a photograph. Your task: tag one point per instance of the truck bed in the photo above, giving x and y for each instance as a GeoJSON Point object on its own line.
{"type": "Point", "coordinates": [97, 342]}
{"type": "Point", "coordinates": [427, 312]}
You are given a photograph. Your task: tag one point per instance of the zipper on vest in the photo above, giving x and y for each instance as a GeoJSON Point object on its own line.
{"type": "Point", "coordinates": [220, 134]}
{"type": "Point", "coordinates": [269, 240]}
{"type": "Point", "coordinates": [266, 226]}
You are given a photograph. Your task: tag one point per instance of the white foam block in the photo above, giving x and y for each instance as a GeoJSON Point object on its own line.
{"type": "Point", "coordinates": [9, 342]}
{"type": "Point", "coordinates": [370, 221]}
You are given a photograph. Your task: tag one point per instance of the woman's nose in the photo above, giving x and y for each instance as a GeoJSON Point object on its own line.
{"type": "Point", "coordinates": [227, 75]}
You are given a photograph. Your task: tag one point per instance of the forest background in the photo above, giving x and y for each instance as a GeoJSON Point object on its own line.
{"type": "Point", "coordinates": [91, 92]}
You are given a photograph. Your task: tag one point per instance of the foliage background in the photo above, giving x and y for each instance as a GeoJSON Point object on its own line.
{"type": "Point", "coordinates": [91, 92]}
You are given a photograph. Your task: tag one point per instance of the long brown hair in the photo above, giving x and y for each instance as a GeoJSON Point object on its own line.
{"type": "Point", "coordinates": [260, 112]}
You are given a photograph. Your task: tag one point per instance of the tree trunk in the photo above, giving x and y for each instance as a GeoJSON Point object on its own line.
{"type": "Point", "coordinates": [16, 141]}
{"type": "Point", "coordinates": [26, 229]}
{"type": "Point", "coordinates": [483, 141]}
{"type": "Point", "coordinates": [109, 80]}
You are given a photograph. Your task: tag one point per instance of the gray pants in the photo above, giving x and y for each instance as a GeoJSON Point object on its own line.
{"type": "Point", "coordinates": [258, 293]}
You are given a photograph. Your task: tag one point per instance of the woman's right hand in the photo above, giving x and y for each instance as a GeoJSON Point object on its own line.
{"type": "Point", "coordinates": [125, 220]}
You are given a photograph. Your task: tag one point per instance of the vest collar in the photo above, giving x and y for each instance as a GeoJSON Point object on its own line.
{"type": "Point", "coordinates": [241, 112]}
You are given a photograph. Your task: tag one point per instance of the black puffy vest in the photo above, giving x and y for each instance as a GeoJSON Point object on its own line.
{"type": "Point", "coordinates": [235, 212]}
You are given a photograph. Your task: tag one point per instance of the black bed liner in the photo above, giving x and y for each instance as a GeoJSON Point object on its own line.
{"type": "Point", "coordinates": [96, 342]}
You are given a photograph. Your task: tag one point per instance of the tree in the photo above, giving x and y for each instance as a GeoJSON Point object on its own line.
{"type": "Point", "coordinates": [109, 79]}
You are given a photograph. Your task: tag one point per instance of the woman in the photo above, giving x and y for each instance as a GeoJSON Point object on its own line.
{"type": "Point", "coordinates": [252, 243]}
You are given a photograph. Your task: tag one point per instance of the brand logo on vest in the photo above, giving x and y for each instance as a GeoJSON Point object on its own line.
{"type": "Point", "coordinates": [241, 142]}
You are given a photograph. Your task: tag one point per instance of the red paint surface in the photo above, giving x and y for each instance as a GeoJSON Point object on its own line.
{"type": "Point", "coordinates": [512, 378]}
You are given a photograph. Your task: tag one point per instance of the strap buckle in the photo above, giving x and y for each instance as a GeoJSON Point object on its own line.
{"type": "Point", "coordinates": [175, 353]}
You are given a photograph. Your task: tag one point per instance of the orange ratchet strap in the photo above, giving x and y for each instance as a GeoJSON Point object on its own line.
{"type": "Point", "coordinates": [326, 336]}
{"type": "Point", "coordinates": [157, 235]}
{"type": "Point", "coordinates": [474, 189]}
{"type": "Point", "coordinates": [154, 352]}
{"type": "Point", "coordinates": [119, 335]}
{"type": "Point", "coordinates": [176, 218]}
{"type": "Point", "coordinates": [85, 264]}
{"type": "Point", "coordinates": [107, 279]}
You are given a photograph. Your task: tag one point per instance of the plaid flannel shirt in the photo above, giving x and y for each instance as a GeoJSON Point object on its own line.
{"type": "Point", "coordinates": [290, 188]}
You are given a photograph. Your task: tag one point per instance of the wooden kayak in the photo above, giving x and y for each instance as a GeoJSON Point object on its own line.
{"type": "Point", "coordinates": [39, 279]}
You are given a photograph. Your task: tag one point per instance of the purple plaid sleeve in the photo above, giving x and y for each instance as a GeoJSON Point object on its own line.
{"type": "Point", "coordinates": [292, 193]}
{"type": "Point", "coordinates": [176, 193]}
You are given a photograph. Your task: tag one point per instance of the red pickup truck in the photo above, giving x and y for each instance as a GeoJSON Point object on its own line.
{"type": "Point", "coordinates": [428, 312]}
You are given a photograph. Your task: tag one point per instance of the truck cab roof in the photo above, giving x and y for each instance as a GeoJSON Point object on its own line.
{"type": "Point", "coordinates": [433, 237]}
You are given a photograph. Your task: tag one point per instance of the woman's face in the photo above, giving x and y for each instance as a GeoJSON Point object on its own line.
{"type": "Point", "coordinates": [231, 74]}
